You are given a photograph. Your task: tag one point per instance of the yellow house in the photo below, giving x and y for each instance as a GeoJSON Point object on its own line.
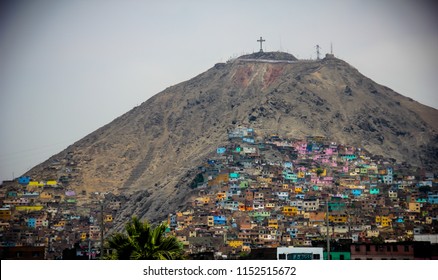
{"type": "Point", "coordinates": [372, 233]}
{"type": "Point", "coordinates": [273, 223]}
{"type": "Point", "coordinates": [264, 180]}
{"type": "Point", "coordinates": [203, 199]}
{"type": "Point", "coordinates": [51, 183]}
{"type": "Point", "coordinates": [5, 214]}
{"type": "Point", "coordinates": [46, 195]}
{"type": "Point", "coordinates": [298, 189]}
{"type": "Point", "coordinates": [29, 208]}
{"type": "Point", "coordinates": [36, 184]}
{"type": "Point", "coordinates": [289, 210]}
{"type": "Point", "coordinates": [339, 218]}
{"type": "Point", "coordinates": [384, 221]}
{"type": "Point", "coordinates": [285, 186]}
{"type": "Point", "coordinates": [60, 224]}
{"type": "Point", "coordinates": [108, 218]}
{"type": "Point", "coordinates": [246, 248]}
{"type": "Point", "coordinates": [301, 174]}
{"type": "Point", "coordinates": [235, 243]}
{"type": "Point", "coordinates": [270, 205]}
{"type": "Point", "coordinates": [414, 207]}
{"type": "Point", "coordinates": [83, 236]}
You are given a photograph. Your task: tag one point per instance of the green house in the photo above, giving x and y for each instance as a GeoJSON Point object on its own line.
{"type": "Point", "coordinates": [336, 206]}
{"type": "Point", "coordinates": [374, 191]}
{"type": "Point", "coordinates": [234, 175]}
{"type": "Point", "coordinates": [338, 255]}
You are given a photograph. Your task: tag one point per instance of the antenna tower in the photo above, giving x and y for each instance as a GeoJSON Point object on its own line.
{"type": "Point", "coordinates": [317, 51]}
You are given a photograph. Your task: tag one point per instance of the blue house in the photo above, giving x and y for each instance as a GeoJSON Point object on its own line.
{"type": "Point", "coordinates": [248, 140]}
{"type": "Point", "coordinates": [31, 222]}
{"type": "Point", "coordinates": [292, 232]}
{"type": "Point", "coordinates": [349, 157]}
{"type": "Point", "coordinates": [221, 150]}
{"type": "Point", "coordinates": [432, 198]}
{"type": "Point", "coordinates": [356, 192]}
{"type": "Point", "coordinates": [24, 180]}
{"type": "Point", "coordinates": [219, 220]}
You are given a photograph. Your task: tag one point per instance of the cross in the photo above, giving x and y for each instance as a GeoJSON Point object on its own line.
{"type": "Point", "coordinates": [261, 43]}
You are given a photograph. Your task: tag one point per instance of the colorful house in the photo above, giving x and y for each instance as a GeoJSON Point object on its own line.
{"type": "Point", "coordinates": [289, 211]}
{"type": "Point", "coordinates": [374, 191]}
{"type": "Point", "coordinates": [24, 180]}
{"type": "Point", "coordinates": [219, 220]}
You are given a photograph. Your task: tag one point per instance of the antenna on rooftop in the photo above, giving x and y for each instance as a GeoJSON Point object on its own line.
{"type": "Point", "coordinates": [317, 51]}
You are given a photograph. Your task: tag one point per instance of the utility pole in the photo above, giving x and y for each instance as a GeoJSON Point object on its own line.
{"type": "Point", "coordinates": [89, 247]}
{"type": "Point", "coordinates": [328, 228]}
{"type": "Point", "coordinates": [101, 230]}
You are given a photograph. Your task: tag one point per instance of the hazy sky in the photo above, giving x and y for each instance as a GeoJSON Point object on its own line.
{"type": "Point", "coordinates": [70, 67]}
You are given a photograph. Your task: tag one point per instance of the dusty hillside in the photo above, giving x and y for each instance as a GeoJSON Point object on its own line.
{"type": "Point", "coordinates": [154, 146]}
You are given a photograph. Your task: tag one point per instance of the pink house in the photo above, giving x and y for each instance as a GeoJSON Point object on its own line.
{"type": "Point", "coordinates": [327, 180]}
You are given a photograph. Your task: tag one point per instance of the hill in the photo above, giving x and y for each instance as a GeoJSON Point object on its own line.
{"type": "Point", "coordinates": [153, 150]}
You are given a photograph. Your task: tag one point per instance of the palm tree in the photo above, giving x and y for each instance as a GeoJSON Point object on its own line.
{"type": "Point", "coordinates": [144, 242]}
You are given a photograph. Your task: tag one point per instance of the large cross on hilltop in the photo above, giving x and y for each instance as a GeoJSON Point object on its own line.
{"type": "Point", "coordinates": [261, 43]}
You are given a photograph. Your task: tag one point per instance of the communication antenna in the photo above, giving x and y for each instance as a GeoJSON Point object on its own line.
{"type": "Point", "coordinates": [317, 51]}
{"type": "Point", "coordinates": [331, 48]}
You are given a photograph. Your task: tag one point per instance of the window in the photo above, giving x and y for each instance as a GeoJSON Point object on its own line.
{"type": "Point", "coordinates": [316, 256]}
{"type": "Point", "coordinates": [341, 257]}
{"type": "Point", "coordinates": [282, 256]}
{"type": "Point", "coordinates": [395, 248]}
{"type": "Point", "coordinates": [357, 248]}
{"type": "Point", "coordinates": [368, 247]}
{"type": "Point", "coordinates": [406, 248]}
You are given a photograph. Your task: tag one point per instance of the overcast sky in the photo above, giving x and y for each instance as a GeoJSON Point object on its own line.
{"type": "Point", "coordinates": [70, 67]}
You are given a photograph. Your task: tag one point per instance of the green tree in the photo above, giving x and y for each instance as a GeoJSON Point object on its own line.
{"type": "Point", "coordinates": [144, 242]}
